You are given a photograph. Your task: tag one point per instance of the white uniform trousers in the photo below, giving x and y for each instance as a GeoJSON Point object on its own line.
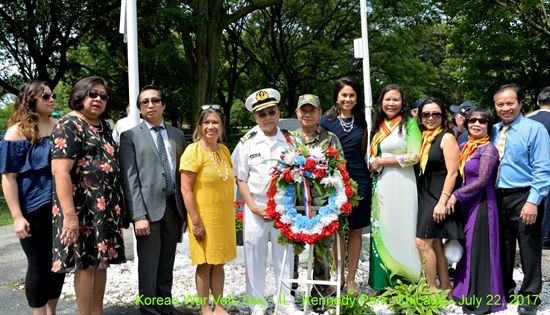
{"type": "Point", "coordinates": [256, 236]}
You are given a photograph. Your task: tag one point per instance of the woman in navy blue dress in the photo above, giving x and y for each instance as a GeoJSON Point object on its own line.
{"type": "Point", "coordinates": [346, 119]}
{"type": "Point", "coordinates": [27, 185]}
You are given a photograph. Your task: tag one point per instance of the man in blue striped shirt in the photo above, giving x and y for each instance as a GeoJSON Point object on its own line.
{"type": "Point", "coordinates": [523, 181]}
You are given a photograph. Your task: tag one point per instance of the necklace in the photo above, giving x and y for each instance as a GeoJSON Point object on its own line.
{"type": "Point", "coordinates": [92, 125]}
{"type": "Point", "coordinates": [346, 126]}
{"type": "Point", "coordinates": [215, 161]}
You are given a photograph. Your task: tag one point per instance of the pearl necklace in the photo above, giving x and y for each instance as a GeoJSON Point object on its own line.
{"type": "Point", "coordinates": [224, 178]}
{"type": "Point", "coordinates": [346, 126]}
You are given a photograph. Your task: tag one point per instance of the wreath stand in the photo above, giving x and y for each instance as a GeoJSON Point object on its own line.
{"type": "Point", "coordinates": [309, 281]}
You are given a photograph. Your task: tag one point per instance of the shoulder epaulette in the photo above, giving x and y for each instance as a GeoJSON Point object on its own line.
{"type": "Point", "coordinates": [249, 135]}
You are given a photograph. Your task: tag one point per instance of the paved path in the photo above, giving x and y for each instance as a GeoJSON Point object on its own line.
{"type": "Point", "coordinates": [13, 267]}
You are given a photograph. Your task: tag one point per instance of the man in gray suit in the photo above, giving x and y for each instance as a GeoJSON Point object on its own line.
{"type": "Point", "coordinates": [149, 156]}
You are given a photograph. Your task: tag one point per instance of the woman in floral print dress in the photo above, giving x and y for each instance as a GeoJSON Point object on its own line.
{"type": "Point", "coordinates": [87, 197]}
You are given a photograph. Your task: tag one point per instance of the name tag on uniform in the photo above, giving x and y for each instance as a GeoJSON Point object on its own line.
{"type": "Point", "coordinates": [255, 155]}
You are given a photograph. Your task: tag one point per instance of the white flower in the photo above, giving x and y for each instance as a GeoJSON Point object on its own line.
{"type": "Point", "coordinates": [331, 181]}
{"type": "Point", "coordinates": [286, 219]}
{"type": "Point", "coordinates": [317, 153]}
{"type": "Point", "coordinates": [341, 199]}
{"type": "Point", "coordinates": [290, 158]}
{"type": "Point", "coordinates": [296, 176]}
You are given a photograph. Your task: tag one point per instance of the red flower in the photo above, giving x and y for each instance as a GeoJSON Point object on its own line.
{"type": "Point", "coordinates": [319, 174]}
{"type": "Point", "coordinates": [112, 253]}
{"type": "Point", "coordinates": [310, 164]}
{"type": "Point", "coordinates": [109, 148]}
{"type": "Point", "coordinates": [102, 247]}
{"type": "Point", "coordinates": [345, 174]}
{"type": "Point", "coordinates": [118, 210]}
{"type": "Point", "coordinates": [60, 143]}
{"type": "Point", "coordinates": [83, 162]}
{"type": "Point", "coordinates": [332, 151]}
{"type": "Point", "coordinates": [239, 216]}
{"type": "Point", "coordinates": [55, 210]}
{"type": "Point", "coordinates": [349, 192]}
{"type": "Point", "coordinates": [101, 204]}
{"type": "Point", "coordinates": [56, 266]}
{"type": "Point", "coordinates": [346, 208]}
{"type": "Point", "coordinates": [107, 168]}
{"type": "Point", "coordinates": [287, 177]}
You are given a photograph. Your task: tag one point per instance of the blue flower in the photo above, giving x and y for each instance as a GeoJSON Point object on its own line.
{"type": "Point", "coordinates": [301, 160]}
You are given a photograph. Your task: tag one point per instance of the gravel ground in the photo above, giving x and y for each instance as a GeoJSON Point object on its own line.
{"type": "Point", "coordinates": [122, 286]}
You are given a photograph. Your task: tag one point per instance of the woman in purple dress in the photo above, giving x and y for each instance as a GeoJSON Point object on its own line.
{"type": "Point", "coordinates": [478, 282]}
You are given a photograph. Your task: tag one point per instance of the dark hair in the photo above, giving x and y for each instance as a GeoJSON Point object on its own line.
{"type": "Point", "coordinates": [512, 86]}
{"type": "Point", "coordinates": [358, 110]}
{"type": "Point", "coordinates": [446, 123]}
{"type": "Point", "coordinates": [24, 110]}
{"type": "Point", "coordinates": [544, 96]}
{"type": "Point", "coordinates": [202, 115]}
{"type": "Point", "coordinates": [82, 87]}
{"type": "Point", "coordinates": [484, 113]}
{"type": "Point", "coordinates": [149, 87]}
{"type": "Point", "coordinates": [380, 115]}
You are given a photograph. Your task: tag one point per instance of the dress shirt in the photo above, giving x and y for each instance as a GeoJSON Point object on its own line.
{"type": "Point", "coordinates": [167, 145]}
{"type": "Point", "coordinates": [525, 162]}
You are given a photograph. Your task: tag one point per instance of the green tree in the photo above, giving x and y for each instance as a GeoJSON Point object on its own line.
{"type": "Point", "coordinates": [493, 44]}
{"type": "Point", "coordinates": [37, 36]}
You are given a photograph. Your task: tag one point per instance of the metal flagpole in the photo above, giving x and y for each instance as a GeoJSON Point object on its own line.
{"type": "Point", "coordinates": [361, 46]}
{"type": "Point", "coordinates": [128, 27]}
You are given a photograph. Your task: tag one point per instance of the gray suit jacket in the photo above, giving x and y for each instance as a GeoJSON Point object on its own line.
{"type": "Point", "coordinates": [143, 175]}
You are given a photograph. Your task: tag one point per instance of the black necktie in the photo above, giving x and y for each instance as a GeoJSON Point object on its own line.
{"type": "Point", "coordinates": [170, 187]}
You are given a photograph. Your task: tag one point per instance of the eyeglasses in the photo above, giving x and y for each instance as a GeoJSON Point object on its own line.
{"type": "Point", "coordinates": [264, 114]}
{"type": "Point", "coordinates": [95, 94]}
{"type": "Point", "coordinates": [482, 121]}
{"type": "Point", "coordinates": [435, 115]}
{"type": "Point", "coordinates": [146, 101]}
{"type": "Point", "coordinates": [46, 96]}
{"type": "Point", "coordinates": [213, 106]}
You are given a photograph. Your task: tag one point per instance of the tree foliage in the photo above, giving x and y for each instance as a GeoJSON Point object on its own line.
{"type": "Point", "coordinates": [219, 51]}
{"type": "Point", "coordinates": [37, 36]}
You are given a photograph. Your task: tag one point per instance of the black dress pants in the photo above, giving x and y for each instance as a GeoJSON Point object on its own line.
{"type": "Point", "coordinates": [510, 202]}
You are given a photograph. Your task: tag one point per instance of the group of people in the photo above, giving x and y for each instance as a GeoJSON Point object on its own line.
{"type": "Point", "coordinates": [486, 192]}
{"type": "Point", "coordinates": [72, 189]}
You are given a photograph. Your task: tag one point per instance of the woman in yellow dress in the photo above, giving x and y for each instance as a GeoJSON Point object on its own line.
{"type": "Point", "coordinates": [207, 186]}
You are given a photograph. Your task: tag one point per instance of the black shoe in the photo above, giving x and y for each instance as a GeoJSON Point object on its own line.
{"type": "Point", "coordinates": [527, 309]}
{"type": "Point", "coordinates": [546, 245]}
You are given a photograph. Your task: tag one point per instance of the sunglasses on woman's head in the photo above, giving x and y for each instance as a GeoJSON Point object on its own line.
{"type": "Point", "coordinates": [482, 121]}
{"type": "Point", "coordinates": [435, 115]}
{"type": "Point", "coordinates": [46, 96]}
{"type": "Point", "coordinates": [213, 106]}
{"type": "Point", "coordinates": [95, 94]}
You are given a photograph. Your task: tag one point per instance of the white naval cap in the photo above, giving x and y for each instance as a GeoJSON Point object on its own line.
{"type": "Point", "coordinates": [263, 98]}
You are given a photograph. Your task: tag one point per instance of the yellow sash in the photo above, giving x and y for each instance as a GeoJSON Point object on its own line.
{"type": "Point", "coordinates": [386, 128]}
{"type": "Point", "coordinates": [428, 137]}
{"type": "Point", "coordinates": [468, 150]}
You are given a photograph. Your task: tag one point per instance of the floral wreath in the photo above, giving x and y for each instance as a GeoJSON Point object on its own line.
{"type": "Point", "coordinates": [326, 170]}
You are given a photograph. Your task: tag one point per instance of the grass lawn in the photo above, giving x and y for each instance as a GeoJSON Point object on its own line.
{"type": "Point", "coordinates": [5, 216]}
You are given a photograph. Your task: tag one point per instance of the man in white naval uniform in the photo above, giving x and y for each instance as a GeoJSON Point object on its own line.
{"type": "Point", "coordinates": [255, 154]}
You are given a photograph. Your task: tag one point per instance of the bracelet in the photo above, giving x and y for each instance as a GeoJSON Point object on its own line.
{"type": "Point", "coordinates": [446, 193]}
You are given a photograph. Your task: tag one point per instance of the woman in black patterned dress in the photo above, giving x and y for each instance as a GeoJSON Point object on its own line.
{"type": "Point", "coordinates": [87, 198]}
